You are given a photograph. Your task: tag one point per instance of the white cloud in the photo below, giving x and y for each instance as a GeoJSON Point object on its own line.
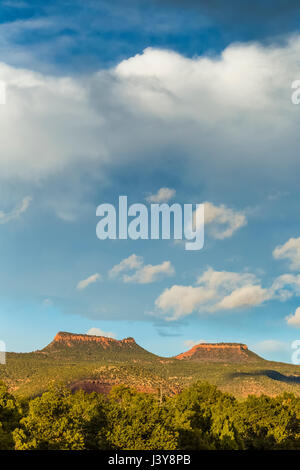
{"type": "Point", "coordinates": [222, 220]}
{"type": "Point", "coordinates": [285, 286]}
{"type": "Point", "coordinates": [240, 96]}
{"type": "Point", "coordinates": [98, 332]}
{"type": "Point", "coordinates": [214, 291]}
{"type": "Point", "coordinates": [291, 251]}
{"type": "Point", "coordinates": [294, 319]}
{"type": "Point", "coordinates": [143, 274]}
{"type": "Point", "coordinates": [246, 296]}
{"type": "Point", "coordinates": [14, 214]}
{"type": "Point", "coordinates": [86, 282]}
{"type": "Point", "coordinates": [162, 195]}
{"type": "Point", "coordinates": [132, 262]}
{"type": "Point", "coordinates": [227, 279]}
{"type": "Point", "coordinates": [179, 301]}
{"type": "Point", "coordinates": [150, 273]}
{"type": "Point", "coordinates": [55, 124]}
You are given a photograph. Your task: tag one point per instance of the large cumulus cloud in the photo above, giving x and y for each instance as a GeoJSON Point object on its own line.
{"type": "Point", "coordinates": [210, 117]}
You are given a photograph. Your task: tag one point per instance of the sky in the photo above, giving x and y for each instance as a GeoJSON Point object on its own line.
{"type": "Point", "coordinates": [168, 101]}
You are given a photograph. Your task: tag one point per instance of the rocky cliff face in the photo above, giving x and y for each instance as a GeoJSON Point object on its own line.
{"type": "Point", "coordinates": [72, 339]}
{"type": "Point", "coordinates": [219, 352]}
{"type": "Point", "coordinates": [101, 347]}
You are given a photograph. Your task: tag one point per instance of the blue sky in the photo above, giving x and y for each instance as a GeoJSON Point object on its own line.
{"type": "Point", "coordinates": [105, 100]}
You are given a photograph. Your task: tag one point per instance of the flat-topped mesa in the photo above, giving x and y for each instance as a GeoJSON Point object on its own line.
{"type": "Point", "coordinates": [71, 339]}
{"type": "Point", "coordinates": [219, 352]}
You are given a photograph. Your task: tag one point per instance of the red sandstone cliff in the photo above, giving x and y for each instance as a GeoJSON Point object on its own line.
{"type": "Point", "coordinates": [101, 347]}
{"type": "Point", "coordinates": [71, 339]}
{"type": "Point", "coordinates": [219, 352]}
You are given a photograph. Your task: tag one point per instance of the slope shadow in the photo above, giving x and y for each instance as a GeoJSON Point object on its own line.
{"type": "Point", "coordinates": [271, 374]}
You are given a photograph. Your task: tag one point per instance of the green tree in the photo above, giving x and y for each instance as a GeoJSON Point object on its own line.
{"type": "Point", "coordinates": [269, 422]}
{"type": "Point", "coordinates": [196, 402]}
{"type": "Point", "coordinates": [60, 420]}
{"type": "Point", "coordinates": [223, 429]}
{"type": "Point", "coordinates": [141, 422]}
{"type": "Point", "coordinates": [10, 414]}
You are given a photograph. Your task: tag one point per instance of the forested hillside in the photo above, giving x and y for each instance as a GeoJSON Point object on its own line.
{"type": "Point", "coordinates": [95, 363]}
{"type": "Point", "coordinates": [201, 417]}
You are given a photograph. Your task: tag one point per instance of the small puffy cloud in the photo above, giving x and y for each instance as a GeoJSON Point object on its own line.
{"type": "Point", "coordinates": [183, 300]}
{"type": "Point", "coordinates": [86, 282]}
{"type": "Point", "coordinates": [132, 262]}
{"type": "Point", "coordinates": [223, 221]}
{"type": "Point", "coordinates": [294, 319]}
{"type": "Point", "coordinates": [15, 213]}
{"type": "Point", "coordinates": [214, 291]}
{"type": "Point", "coordinates": [162, 195]}
{"type": "Point", "coordinates": [98, 332]}
{"type": "Point", "coordinates": [226, 279]}
{"type": "Point", "coordinates": [143, 274]}
{"type": "Point", "coordinates": [190, 343]}
{"type": "Point", "coordinates": [291, 251]}
{"type": "Point", "coordinates": [219, 221]}
{"type": "Point", "coordinates": [285, 286]}
{"type": "Point", "coordinates": [150, 273]}
{"type": "Point", "coordinates": [246, 296]}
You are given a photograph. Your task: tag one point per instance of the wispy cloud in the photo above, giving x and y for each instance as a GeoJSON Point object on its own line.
{"type": "Point", "coordinates": [223, 221]}
{"type": "Point", "coordinates": [86, 282]}
{"type": "Point", "coordinates": [144, 274]}
{"type": "Point", "coordinates": [15, 213]}
{"type": "Point", "coordinates": [290, 251]}
{"type": "Point", "coordinates": [132, 262]}
{"type": "Point", "coordinates": [150, 273]}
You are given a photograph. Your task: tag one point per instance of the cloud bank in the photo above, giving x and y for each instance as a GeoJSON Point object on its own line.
{"type": "Point", "coordinates": [242, 96]}
{"type": "Point", "coordinates": [220, 291]}
{"type": "Point", "coordinates": [214, 291]}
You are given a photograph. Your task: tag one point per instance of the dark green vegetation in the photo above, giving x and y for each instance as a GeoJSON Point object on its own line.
{"type": "Point", "coordinates": [44, 404]}
{"type": "Point", "coordinates": [200, 417]}
{"type": "Point", "coordinates": [97, 363]}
